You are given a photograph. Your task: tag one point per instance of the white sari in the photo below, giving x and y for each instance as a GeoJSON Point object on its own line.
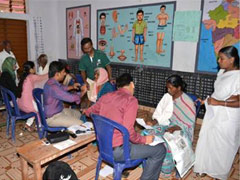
{"type": "Point", "coordinates": [219, 138]}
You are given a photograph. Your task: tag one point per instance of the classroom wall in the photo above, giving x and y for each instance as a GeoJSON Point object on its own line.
{"type": "Point", "coordinates": [53, 14]}
{"type": "Point", "coordinates": [184, 53]}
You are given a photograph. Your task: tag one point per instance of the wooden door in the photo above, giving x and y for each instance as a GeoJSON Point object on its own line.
{"type": "Point", "coordinates": [16, 32]}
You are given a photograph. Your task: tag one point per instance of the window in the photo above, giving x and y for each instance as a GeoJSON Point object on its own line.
{"type": "Point", "coordinates": [13, 6]}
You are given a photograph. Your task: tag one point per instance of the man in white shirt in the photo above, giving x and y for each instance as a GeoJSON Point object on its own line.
{"type": "Point", "coordinates": [43, 65]}
{"type": "Point", "coordinates": [6, 52]}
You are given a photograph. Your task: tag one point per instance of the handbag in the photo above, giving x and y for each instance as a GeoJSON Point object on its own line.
{"type": "Point", "coordinates": [57, 137]}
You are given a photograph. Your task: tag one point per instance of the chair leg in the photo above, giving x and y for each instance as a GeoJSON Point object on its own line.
{"type": "Point", "coordinates": [13, 129]}
{"type": "Point", "coordinates": [8, 123]}
{"type": "Point", "coordinates": [98, 168]}
{"type": "Point", "coordinates": [117, 172]}
{"type": "Point", "coordinates": [41, 132]}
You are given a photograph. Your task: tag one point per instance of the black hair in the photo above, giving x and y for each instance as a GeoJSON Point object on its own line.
{"type": "Point", "coordinates": [124, 80]}
{"type": "Point", "coordinates": [55, 67]}
{"type": "Point", "coordinates": [163, 6]}
{"type": "Point", "coordinates": [140, 11]}
{"type": "Point", "coordinates": [26, 71]}
{"type": "Point", "coordinates": [177, 81]}
{"type": "Point", "coordinates": [59, 170]}
{"type": "Point", "coordinates": [85, 41]}
{"type": "Point", "coordinates": [231, 52]}
{"type": "Point", "coordinates": [102, 14]}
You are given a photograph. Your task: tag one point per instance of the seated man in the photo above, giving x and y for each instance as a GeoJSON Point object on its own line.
{"type": "Point", "coordinates": [121, 106]}
{"type": "Point", "coordinates": [54, 95]}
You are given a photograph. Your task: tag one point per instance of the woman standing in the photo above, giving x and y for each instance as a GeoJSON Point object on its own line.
{"type": "Point", "coordinates": [219, 138]}
{"type": "Point", "coordinates": [26, 85]}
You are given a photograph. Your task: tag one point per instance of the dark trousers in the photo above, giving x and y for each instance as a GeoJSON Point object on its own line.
{"type": "Point", "coordinates": [153, 154]}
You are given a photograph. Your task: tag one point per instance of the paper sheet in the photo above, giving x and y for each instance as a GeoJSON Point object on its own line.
{"type": "Point", "coordinates": [157, 140]}
{"type": "Point", "coordinates": [143, 124]}
{"type": "Point", "coordinates": [107, 170]}
{"type": "Point", "coordinates": [87, 127]}
{"type": "Point", "coordinates": [64, 144]}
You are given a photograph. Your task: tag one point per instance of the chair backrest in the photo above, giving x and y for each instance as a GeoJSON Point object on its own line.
{"type": "Point", "coordinates": [104, 129]}
{"type": "Point", "coordinates": [196, 102]}
{"type": "Point", "coordinates": [79, 79]}
{"type": "Point", "coordinates": [8, 97]}
{"type": "Point", "coordinates": [37, 95]}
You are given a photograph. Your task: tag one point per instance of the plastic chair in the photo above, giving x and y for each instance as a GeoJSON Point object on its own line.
{"type": "Point", "coordinates": [196, 102]}
{"type": "Point", "coordinates": [38, 94]}
{"type": "Point", "coordinates": [104, 129]}
{"type": "Point", "coordinates": [13, 112]}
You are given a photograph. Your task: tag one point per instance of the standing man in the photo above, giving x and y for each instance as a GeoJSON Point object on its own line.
{"type": "Point", "coordinates": [139, 32]}
{"type": "Point", "coordinates": [92, 59]}
{"type": "Point", "coordinates": [6, 52]}
{"type": "Point", "coordinates": [121, 106]}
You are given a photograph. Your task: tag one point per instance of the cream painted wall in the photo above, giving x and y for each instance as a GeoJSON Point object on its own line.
{"type": "Point", "coordinates": [53, 14]}
{"type": "Point", "coordinates": [184, 53]}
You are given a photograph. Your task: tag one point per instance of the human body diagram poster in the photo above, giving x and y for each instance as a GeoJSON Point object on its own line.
{"type": "Point", "coordinates": [219, 28]}
{"type": "Point", "coordinates": [137, 35]}
{"type": "Point", "coordinates": [78, 26]}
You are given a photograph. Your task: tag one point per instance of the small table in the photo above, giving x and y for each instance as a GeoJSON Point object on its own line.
{"type": "Point", "coordinates": [37, 154]}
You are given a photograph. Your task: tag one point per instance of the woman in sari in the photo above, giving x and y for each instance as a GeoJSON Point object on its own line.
{"type": "Point", "coordinates": [101, 85]}
{"type": "Point", "coordinates": [8, 76]}
{"type": "Point", "coordinates": [219, 138]}
{"type": "Point", "coordinates": [175, 111]}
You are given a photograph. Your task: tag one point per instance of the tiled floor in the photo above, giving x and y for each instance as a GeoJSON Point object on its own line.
{"type": "Point", "coordinates": [85, 167]}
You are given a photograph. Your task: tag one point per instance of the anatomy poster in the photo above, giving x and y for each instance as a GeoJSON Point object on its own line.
{"type": "Point", "coordinates": [137, 35]}
{"type": "Point", "coordinates": [78, 26]}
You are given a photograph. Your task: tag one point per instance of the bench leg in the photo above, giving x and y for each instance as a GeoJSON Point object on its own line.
{"type": "Point", "coordinates": [37, 171]}
{"type": "Point", "coordinates": [24, 168]}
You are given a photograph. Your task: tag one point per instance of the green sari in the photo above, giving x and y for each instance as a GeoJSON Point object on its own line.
{"type": "Point", "coordinates": [8, 66]}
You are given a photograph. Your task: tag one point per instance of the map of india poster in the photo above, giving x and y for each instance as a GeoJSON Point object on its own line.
{"type": "Point", "coordinates": [219, 28]}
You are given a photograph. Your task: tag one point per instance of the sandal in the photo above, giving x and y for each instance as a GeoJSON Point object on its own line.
{"type": "Point", "coordinates": [201, 175]}
{"type": "Point", "coordinates": [29, 128]}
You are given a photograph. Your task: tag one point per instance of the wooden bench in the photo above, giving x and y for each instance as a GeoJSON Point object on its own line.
{"type": "Point", "coordinates": [37, 154]}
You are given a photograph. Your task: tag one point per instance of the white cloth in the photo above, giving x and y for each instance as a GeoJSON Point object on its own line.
{"type": "Point", "coordinates": [3, 55]}
{"type": "Point", "coordinates": [42, 71]}
{"type": "Point", "coordinates": [219, 138]}
{"type": "Point", "coordinates": [164, 110]}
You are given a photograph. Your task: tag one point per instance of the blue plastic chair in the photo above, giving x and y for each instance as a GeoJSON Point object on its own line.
{"type": "Point", "coordinates": [13, 112]}
{"type": "Point", "coordinates": [104, 128]}
{"type": "Point", "coordinates": [38, 94]}
{"type": "Point", "coordinates": [196, 102]}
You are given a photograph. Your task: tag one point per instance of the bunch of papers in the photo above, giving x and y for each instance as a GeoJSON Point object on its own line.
{"type": "Point", "coordinates": [85, 128]}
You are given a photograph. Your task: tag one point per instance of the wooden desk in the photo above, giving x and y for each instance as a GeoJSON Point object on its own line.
{"type": "Point", "coordinates": [37, 154]}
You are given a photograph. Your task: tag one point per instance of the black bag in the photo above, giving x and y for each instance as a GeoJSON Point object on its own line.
{"type": "Point", "coordinates": [59, 170]}
{"type": "Point", "coordinates": [57, 137]}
